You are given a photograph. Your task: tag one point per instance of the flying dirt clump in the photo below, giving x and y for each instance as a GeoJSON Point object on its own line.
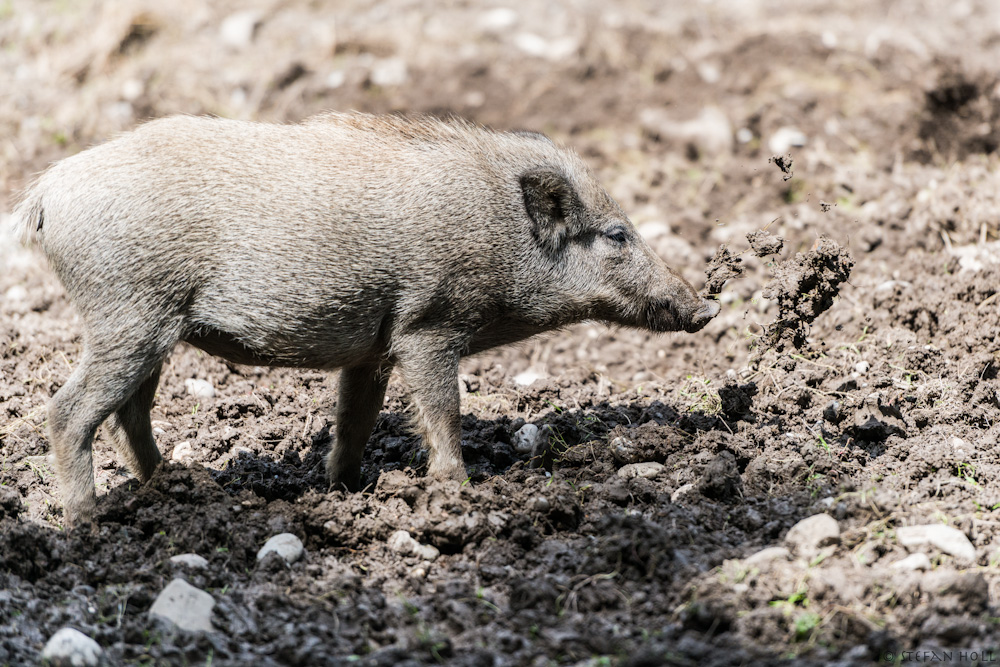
{"type": "Point", "coordinates": [804, 287]}
{"type": "Point", "coordinates": [764, 243]}
{"type": "Point", "coordinates": [723, 266]}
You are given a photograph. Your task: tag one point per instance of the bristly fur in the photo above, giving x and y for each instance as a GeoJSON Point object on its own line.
{"type": "Point", "coordinates": [29, 216]}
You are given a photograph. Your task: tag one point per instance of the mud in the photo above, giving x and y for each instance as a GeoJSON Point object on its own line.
{"type": "Point", "coordinates": [804, 287]}
{"type": "Point", "coordinates": [671, 463]}
{"type": "Point", "coordinates": [723, 266]}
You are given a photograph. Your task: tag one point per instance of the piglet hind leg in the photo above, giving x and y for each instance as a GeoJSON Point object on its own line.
{"type": "Point", "coordinates": [131, 432]}
{"type": "Point", "coordinates": [362, 391]}
{"type": "Point", "coordinates": [116, 374]}
{"type": "Point", "coordinates": [429, 367]}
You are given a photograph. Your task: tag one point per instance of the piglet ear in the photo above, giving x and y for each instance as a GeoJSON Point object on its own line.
{"type": "Point", "coordinates": [553, 206]}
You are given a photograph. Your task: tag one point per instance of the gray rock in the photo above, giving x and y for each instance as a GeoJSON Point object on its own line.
{"type": "Point", "coordinates": [286, 545]}
{"type": "Point", "coordinates": [808, 536]}
{"type": "Point", "coordinates": [180, 605]}
{"type": "Point", "coordinates": [623, 449]}
{"type": "Point", "coordinates": [71, 648]}
{"type": "Point", "coordinates": [647, 469]}
{"type": "Point", "coordinates": [949, 540]}
{"type": "Point", "coordinates": [524, 439]}
{"type": "Point", "coordinates": [193, 561]}
{"type": "Point", "coordinates": [913, 562]}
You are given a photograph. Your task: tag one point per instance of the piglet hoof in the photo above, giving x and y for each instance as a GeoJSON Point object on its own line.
{"type": "Point", "coordinates": [345, 482]}
{"type": "Point", "coordinates": [454, 473]}
{"type": "Point", "coordinates": [81, 515]}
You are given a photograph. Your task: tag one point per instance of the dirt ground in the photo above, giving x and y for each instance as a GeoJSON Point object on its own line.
{"type": "Point", "coordinates": [871, 123]}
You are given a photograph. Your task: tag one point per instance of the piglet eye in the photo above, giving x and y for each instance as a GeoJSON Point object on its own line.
{"type": "Point", "coordinates": [617, 234]}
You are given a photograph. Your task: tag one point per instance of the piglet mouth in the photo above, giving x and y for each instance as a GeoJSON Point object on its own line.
{"type": "Point", "coordinates": [703, 315]}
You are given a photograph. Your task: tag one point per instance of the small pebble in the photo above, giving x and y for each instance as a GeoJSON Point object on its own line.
{"type": "Point", "coordinates": [199, 388]}
{"type": "Point", "coordinates": [540, 504]}
{"type": "Point", "coordinates": [862, 367]}
{"type": "Point", "coordinates": [524, 439]}
{"type": "Point", "coordinates": [238, 29]}
{"type": "Point", "coordinates": [913, 562]}
{"type": "Point", "coordinates": [183, 451]}
{"type": "Point", "coordinates": [622, 449]}
{"type": "Point", "coordinates": [809, 535]}
{"type": "Point", "coordinates": [403, 543]}
{"type": "Point", "coordinates": [949, 540]}
{"type": "Point", "coordinates": [785, 138]}
{"type": "Point", "coordinates": [286, 545]}
{"type": "Point", "coordinates": [71, 648]}
{"type": "Point", "coordinates": [193, 561]}
{"type": "Point", "coordinates": [527, 377]}
{"type": "Point", "coordinates": [647, 469]}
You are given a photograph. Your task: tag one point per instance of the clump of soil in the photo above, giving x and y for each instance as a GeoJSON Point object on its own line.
{"type": "Point", "coordinates": [723, 266]}
{"type": "Point", "coordinates": [784, 163]}
{"type": "Point", "coordinates": [764, 243]}
{"type": "Point", "coordinates": [804, 287]}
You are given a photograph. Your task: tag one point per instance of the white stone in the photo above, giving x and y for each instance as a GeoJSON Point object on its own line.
{"type": "Point", "coordinates": [534, 45]}
{"type": "Point", "coordinates": [71, 648]}
{"type": "Point", "coordinates": [238, 29]}
{"type": "Point", "coordinates": [389, 72]}
{"type": "Point", "coordinates": [709, 72]}
{"type": "Point", "coordinates": [527, 377]}
{"type": "Point", "coordinates": [185, 607]}
{"type": "Point", "coordinates": [427, 552]}
{"type": "Point", "coordinates": [744, 135]}
{"type": "Point", "coordinates": [132, 89]}
{"type": "Point", "coordinates": [183, 451]}
{"type": "Point", "coordinates": [498, 19]}
{"type": "Point", "coordinates": [193, 561]}
{"type": "Point", "coordinates": [540, 504]}
{"type": "Point", "coordinates": [336, 78]}
{"type": "Point", "coordinates": [525, 438]}
{"type": "Point", "coordinates": [286, 545]}
{"type": "Point", "coordinates": [808, 535]}
{"type": "Point", "coordinates": [767, 555]}
{"type": "Point", "coordinates": [949, 540]}
{"type": "Point", "coordinates": [917, 561]}
{"type": "Point", "coordinates": [199, 388]}
{"type": "Point", "coordinates": [403, 543]}
{"type": "Point", "coordinates": [785, 138]}
{"type": "Point", "coordinates": [16, 293]}
{"type": "Point", "coordinates": [647, 469]}
{"type": "Point", "coordinates": [862, 367]}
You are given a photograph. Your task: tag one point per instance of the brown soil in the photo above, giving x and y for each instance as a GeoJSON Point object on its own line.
{"type": "Point", "coordinates": [884, 413]}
